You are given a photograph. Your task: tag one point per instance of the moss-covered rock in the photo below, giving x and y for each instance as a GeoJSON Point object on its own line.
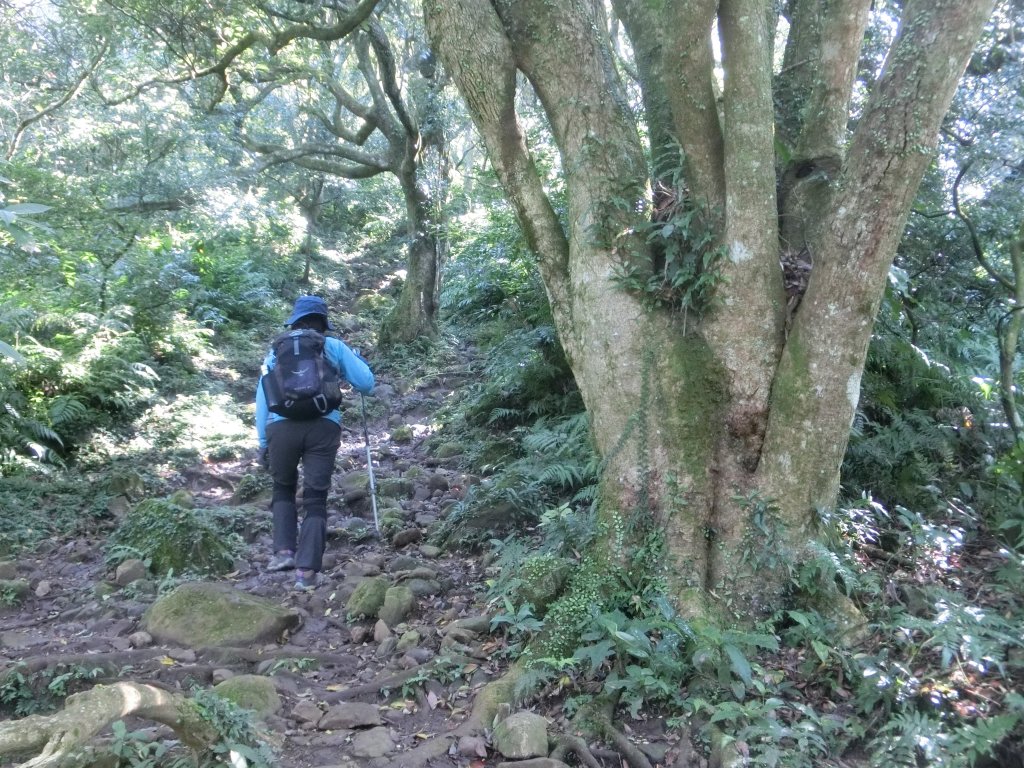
{"type": "Point", "coordinates": [521, 736]}
{"type": "Point", "coordinates": [354, 485]}
{"type": "Point", "coordinates": [448, 450]}
{"type": "Point", "coordinates": [396, 488]}
{"type": "Point", "coordinates": [398, 604]}
{"type": "Point", "coordinates": [391, 522]}
{"type": "Point", "coordinates": [401, 434]}
{"type": "Point", "coordinates": [368, 598]}
{"type": "Point", "coordinates": [200, 615]}
{"type": "Point", "coordinates": [543, 579]}
{"type": "Point", "coordinates": [253, 692]}
{"type": "Point", "coordinates": [182, 498]}
{"type": "Point", "coordinates": [253, 487]}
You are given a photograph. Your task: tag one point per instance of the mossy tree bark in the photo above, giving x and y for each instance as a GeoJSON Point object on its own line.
{"type": "Point", "coordinates": [754, 398]}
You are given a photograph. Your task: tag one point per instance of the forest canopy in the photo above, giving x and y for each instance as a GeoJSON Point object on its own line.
{"type": "Point", "coordinates": [727, 297]}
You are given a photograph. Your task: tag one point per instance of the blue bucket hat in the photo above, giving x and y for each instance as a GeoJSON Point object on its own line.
{"type": "Point", "coordinates": [309, 305]}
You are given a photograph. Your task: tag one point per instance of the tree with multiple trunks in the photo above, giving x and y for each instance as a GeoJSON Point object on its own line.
{"type": "Point", "coordinates": [716, 293]}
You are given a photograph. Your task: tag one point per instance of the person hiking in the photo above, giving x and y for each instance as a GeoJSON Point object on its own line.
{"type": "Point", "coordinates": [310, 438]}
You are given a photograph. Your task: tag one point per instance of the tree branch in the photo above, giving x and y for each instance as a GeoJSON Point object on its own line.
{"type": "Point", "coordinates": [280, 154]}
{"type": "Point", "coordinates": [73, 91]}
{"type": "Point", "coordinates": [976, 247]}
{"type": "Point", "coordinates": [274, 44]}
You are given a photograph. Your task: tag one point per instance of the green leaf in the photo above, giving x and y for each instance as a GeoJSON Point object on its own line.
{"type": "Point", "coordinates": [8, 351]}
{"type": "Point", "coordinates": [738, 662]}
{"type": "Point", "coordinates": [27, 208]}
{"type": "Point", "coordinates": [821, 650]}
{"type": "Point", "coordinates": [800, 618]}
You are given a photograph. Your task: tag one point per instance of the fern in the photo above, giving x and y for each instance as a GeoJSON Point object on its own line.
{"type": "Point", "coordinates": [982, 738]}
{"type": "Point", "coordinates": [964, 633]}
{"type": "Point", "coordinates": [67, 409]}
{"type": "Point", "coordinates": [25, 442]}
{"type": "Point", "coordinates": [908, 739]}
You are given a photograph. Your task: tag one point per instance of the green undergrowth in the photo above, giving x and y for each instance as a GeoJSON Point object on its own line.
{"type": "Point", "coordinates": [520, 418]}
{"type": "Point", "coordinates": [43, 507]}
{"type": "Point", "coordinates": [933, 681]}
{"type": "Point", "coordinates": [926, 546]}
{"type": "Point", "coordinates": [175, 537]}
{"type": "Point", "coordinates": [25, 693]}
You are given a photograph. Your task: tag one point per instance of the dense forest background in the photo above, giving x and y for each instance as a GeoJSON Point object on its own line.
{"type": "Point", "coordinates": [162, 203]}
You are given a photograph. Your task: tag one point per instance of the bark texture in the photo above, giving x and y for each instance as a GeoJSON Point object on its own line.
{"type": "Point", "coordinates": [53, 739]}
{"type": "Point", "coordinates": [708, 421]}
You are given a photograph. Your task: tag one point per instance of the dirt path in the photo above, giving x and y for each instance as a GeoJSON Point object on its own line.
{"type": "Point", "coordinates": [419, 675]}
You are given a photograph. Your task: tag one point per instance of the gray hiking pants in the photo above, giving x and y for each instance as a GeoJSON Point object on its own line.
{"type": "Point", "coordinates": [315, 444]}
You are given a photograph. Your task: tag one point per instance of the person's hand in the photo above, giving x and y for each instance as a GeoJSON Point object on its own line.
{"type": "Point", "coordinates": [264, 457]}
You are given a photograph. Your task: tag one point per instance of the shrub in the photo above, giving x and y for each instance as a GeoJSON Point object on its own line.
{"type": "Point", "coordinates": [172, 537]}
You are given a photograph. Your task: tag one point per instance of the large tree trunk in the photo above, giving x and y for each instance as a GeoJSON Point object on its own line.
{"type": "Point", "coordinates": [706, 421]}
{"type": "Point", "coordinates": [415, 315]}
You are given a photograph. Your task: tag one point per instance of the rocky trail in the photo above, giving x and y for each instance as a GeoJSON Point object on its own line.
{"type": "Point", "coordinates": [395, 687]}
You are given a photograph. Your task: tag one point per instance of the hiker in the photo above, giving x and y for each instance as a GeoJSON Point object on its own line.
{"type": "Point", "coordinates": [313, 440]}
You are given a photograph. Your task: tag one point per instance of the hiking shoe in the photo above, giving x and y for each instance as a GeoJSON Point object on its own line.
{"type": "Point", "coordinates": [282, 561]}
{"type": "Point", "coordinates": [307, 581]}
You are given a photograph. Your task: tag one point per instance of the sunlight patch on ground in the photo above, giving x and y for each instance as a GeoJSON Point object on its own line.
{"type": "Point", "coordinates": [398, 275]}
{"type": "Point", "coordinates": [339, 257]}
{"type": "Point", "coordinates": [207, 424]}
{"type": "Point", "coordinates": [212, 365]}
{"type": "Point", "coordinates": [422, 430]}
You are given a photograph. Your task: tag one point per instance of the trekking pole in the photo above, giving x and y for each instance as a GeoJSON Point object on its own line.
{"type": "Point", "coordinates": [369, 464]}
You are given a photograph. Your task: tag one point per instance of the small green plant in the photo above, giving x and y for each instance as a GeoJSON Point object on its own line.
{"type": "Point", "coordinates": [252, 485]}
{"type": "Point", "coordinates": [60, 684]}
{"type": "Point", "coordinates": [17, 695]}
{"type": "Point", "coordinates": [23, 694]}
{"type": "Point", "coordinates": [292, 665]}
{"type": "Point", "coordinates": [174, 537]}
{"type": "Point", "coordinates": [238, 735]}
{"type": "Point", "coordinates": [683, 269]}
{"type": "Point", "coordinates": [10, 596]}
{"type": "Point", "coordinates": [443, 669]}
{"type": "Point", "coordinates": [518, 625]}
{"type": "Point", "coordinates": [138, 749]}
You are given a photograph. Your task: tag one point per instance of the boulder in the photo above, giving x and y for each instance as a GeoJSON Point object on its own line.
{"type": "Point", "coordinates": [252, 692]}
{"type": "Point", "coordinates": [398, 604]}
{"type": "Point", "coordinates": [375, 742]}
{"type": "Point", "coordinates": [521, 736]}
{"type": "Point", "coordinates": [368, 597]}
{"type": "Point", "coordinates": [130, 570]}
{"type": "Point", "coordinates": [543, 578]}
{"type": "Point", "coordinates": [350, 715]}
{"type": "Point", "coordinates": [397, 488]}
{"type": "Point", "coordinates": [201, 614]}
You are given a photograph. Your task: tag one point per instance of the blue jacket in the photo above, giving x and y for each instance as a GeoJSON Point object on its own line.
{"type": "Point", "coordinates": [350, 365]}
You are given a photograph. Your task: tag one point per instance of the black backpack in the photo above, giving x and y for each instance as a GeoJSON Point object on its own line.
{"type": "Point", "coordinates": [302, 384]}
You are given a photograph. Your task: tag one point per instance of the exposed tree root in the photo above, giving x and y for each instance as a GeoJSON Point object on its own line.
{"type": "Point", "coordinates": [568, 744]}
{"type": "Point", "coordinates": [58, 736]}
{"type": "Point", "coordinates": [626, 748]}
{"type": "Point", "coordinates": [108, 662]}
